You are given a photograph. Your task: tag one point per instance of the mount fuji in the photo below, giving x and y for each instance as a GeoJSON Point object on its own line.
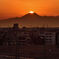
{"type": "Point", "coordinates": [31, 20]}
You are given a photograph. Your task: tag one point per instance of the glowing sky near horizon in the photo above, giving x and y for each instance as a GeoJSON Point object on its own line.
{"type": "Point", "coordinates": [17, 8]}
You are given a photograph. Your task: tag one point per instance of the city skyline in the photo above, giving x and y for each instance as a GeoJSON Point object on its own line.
{"type": "Point", "coordinates": [29, 29]}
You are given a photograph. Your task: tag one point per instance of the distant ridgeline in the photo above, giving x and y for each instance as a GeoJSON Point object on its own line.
{"type": "Point", "coordinates": [31, 20]}
{"type": "Point", "coordinates": [31, 36]}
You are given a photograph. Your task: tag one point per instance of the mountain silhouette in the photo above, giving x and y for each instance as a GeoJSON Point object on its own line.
{"type": "Point", "coordinates": [31, 20]}
{"type": "Point", "coordinates": [29, 15]}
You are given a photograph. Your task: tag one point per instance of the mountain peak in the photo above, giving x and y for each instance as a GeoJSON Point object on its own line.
{"type": "Point", "coordinates": [31, 15]}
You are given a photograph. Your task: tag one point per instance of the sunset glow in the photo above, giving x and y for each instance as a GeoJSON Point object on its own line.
{"type": "Point", "coordinates": [18, 8]}
{"type": "Point", "coordinates": [31, 12]}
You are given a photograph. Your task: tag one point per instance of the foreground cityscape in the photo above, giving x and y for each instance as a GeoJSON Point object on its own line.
{"type": "Point", "coordinates": [29, 43]}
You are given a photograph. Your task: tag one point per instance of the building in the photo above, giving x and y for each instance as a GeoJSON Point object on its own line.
{"type": "Point", "coordinates": [49, 37]}
{"type": "Point", "coordinates": [57, 39]}
{"type": "Point", "coordinates": [30, 43]}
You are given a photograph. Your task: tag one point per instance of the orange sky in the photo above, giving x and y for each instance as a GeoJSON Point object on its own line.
{"type": "Point", "coordinates": [17, 8]}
